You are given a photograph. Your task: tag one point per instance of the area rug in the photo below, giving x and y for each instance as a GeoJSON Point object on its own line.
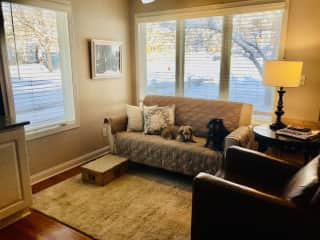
{"type": "Point", "coordinates": [134, 206]}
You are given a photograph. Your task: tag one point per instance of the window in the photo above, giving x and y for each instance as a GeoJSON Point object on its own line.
{"type": "Point", "coordinates": [202, 57]}
{"type": "Point", "coordinates": [160, 53]}
{"type": "Point", "coordinates": [39, 63]}
{"type": "Point", "coordinates": [255, 38]}
{"type": "Point", "coordinates": [217, 57]}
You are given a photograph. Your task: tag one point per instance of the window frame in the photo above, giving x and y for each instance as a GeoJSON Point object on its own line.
{"type": "Point", "coordinates": [46, 130]}
{"type": "Point", "coordinates": [225, 10]}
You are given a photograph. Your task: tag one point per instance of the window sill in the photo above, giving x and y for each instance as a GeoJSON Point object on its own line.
{"type": "Point", "coordinates": [259, 118]}
{"type": "Point", "coordinates": [48, 131]}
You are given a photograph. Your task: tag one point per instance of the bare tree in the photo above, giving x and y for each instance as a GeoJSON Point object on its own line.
{"type": "Point", "coordinates": [31, 25]}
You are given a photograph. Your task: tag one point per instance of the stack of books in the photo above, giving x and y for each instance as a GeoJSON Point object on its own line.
{"type": "Point", "coordinates": [299, 133]}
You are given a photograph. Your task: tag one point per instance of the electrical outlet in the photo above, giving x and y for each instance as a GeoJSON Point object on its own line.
{"type": "Point", "coordinates": [104, 131]}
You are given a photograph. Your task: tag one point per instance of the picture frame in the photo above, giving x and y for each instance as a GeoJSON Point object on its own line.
{"type": "Point", "coordinates": [106, 59]}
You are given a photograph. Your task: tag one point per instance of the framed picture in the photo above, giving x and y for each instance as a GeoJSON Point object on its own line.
{"type": "Point", "coordinates": [106, 59]}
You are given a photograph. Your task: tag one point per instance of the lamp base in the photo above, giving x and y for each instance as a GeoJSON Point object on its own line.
{"type": "Point", "coordinates": [277, 125]}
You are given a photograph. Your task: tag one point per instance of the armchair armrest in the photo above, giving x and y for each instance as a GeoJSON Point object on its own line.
{"type": "Point", "coordinates": [257, 166]}
{"type": "Point", "coordinates": [114, 125]}
{"type": "Point", "coordinates": [242, 136]}
{"type": "Point", "coordinates": [216, 201]}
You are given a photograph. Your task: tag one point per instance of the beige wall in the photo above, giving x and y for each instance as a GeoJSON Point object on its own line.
{"type": "Point", "coordinates": [303, 43]}
{"type": "Point", "coordinates": [100, 19]}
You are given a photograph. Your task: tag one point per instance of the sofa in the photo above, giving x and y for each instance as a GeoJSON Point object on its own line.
{"type": "Point", "coordinates": [257, 195]}
{"type": "Point", "coordinates": [185, 158]}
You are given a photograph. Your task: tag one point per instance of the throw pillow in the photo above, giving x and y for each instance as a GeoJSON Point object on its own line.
{"type": "Point", "coordinates": [135, 118]}
{"type": "Point", "coordinates": [155, 119]}
{"type": "Point", "coordinates": [172, 109]}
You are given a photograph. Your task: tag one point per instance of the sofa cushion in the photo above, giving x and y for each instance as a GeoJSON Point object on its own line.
{"type": "Point", "coordinates": [198, 112]}
{"type": "Point", "coordinates": [152, 150]}
{"type": "Point", "coordinates": [303, 185]}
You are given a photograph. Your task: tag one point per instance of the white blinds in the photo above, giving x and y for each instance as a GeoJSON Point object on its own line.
{"type": "Point", "coordinates": [255, 38]}
{"type": "Point", "coordinates": [38, 73]}
{"type": "Point", "coordinates": [202, 50]}
{"type": "Point", "coordinates": [160, 57]}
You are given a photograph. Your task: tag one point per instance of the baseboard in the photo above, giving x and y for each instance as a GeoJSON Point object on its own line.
{"type": "Point", "coordinates": [14, 218]}
{"type": "Point", "coordinates": [41, 176]}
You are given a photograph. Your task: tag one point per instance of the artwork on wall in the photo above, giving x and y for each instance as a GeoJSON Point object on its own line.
{"type": "Point", "coordinates": [106, 59]}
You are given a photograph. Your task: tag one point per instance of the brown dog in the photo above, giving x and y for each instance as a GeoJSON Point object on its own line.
{"type": "Point", "coordinates": [185, 134]}
{"type": "Point", "coordinates": [170, 132]}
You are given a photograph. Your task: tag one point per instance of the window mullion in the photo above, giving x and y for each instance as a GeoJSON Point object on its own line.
{"type": "Point", "coordinates": [225, 58]}
{"type": "Point", "coordinates": [180, 42]}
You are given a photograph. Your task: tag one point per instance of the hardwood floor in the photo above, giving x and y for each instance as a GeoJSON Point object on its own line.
{"type": "Point", "coordinates": [37, 226]}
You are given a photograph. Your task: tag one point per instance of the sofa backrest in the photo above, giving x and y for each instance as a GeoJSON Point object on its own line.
{"type": "Point", "coordinates": [198, 112]}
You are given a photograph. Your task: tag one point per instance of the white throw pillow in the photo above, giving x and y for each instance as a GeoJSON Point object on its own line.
{"type": "Point", "coordinates": [135, 118]}
{"type": "Point", "coordinates": [172, 109]}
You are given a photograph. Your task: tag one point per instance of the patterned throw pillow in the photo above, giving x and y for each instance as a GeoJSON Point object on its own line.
{"type": "Point", "coordinates": [155, 119]}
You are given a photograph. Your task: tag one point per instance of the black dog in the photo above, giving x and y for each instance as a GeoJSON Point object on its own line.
{"type": "Point", "coordinates": [216, 134]}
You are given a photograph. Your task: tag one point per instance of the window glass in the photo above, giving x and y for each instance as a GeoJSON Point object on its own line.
{"type": "Point", "coordinates": [160, 58]}
{"type": "Point", "coordinates": [255, 38]}
{"type": "Point", "coordinates": [39, 64]}
{"type": "Point", "coordinates": [203, 41]}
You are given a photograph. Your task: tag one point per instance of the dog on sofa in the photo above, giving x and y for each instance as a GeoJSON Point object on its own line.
{"type": "Point", "coordinates": [185, 134]}
{"type": "Point", "coordinates": [181, 134]}
{"type": "Point", "coordinates": [216, 134]}
{"type": "Point", "coordinates": [170, 132]}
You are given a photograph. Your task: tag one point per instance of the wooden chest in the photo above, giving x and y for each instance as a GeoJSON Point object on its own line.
{"type": "Point", "coordinates": [104, 169]}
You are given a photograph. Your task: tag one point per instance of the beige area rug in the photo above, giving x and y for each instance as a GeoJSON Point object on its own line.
{"type": "Point", "coordinates": [137, 206]}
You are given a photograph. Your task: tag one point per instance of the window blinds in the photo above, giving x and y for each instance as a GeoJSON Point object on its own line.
{"type": "Point", "coordinates": [202, 51]}
{"type": "Point", "coordinates": [37, 72]}
{"type": "Point", "coordinates": [217, 56]}
{"type": "Point", "coordinates": [255, 38]}
{"type": "Point", "coordinates": [160, 57]}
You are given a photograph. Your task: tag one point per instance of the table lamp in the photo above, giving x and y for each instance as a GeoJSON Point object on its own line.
{"type": "Point", "coordinates": [281, 74]}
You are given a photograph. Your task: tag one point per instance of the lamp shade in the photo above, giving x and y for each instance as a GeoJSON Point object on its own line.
{"type": "Point", "coordinates": [282, 73]}
{"type": "Point", "coordinates": [147, 1]}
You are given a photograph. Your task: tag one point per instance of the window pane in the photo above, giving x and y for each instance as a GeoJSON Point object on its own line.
{"type": "Point", "coordinates": [203, 41]}
{"type": "Point", "coordinates": [255, 38]}
{"type": "Point", "coordinates": [160, 58]}
{"type": "Point", "coordinates": [38, 63]}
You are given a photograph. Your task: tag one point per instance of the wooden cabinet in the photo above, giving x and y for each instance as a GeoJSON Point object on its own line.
{"type": "Point", "coordinates": [15, 189]}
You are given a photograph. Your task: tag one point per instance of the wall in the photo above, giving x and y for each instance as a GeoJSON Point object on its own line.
{"type": "Point", "coordinates": [99, 19]}
{"type": "Point", "coordinates": [303, 43]}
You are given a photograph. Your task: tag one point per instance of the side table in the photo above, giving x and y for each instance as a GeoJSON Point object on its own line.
{"type": "Point", "coordinates": [266, 138]}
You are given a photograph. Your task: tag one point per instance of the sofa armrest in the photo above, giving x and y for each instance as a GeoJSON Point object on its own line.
{"type": "Point", "coordinates": [242, 136]}
{"type": "Point", "coordinates": [216, 201]}
{"type": "Point", "coordinates": [257, 166]}
{"type": "Point", "coordinates": [117, 123]}
{"type": "Point", "coordinates": [114, 125]}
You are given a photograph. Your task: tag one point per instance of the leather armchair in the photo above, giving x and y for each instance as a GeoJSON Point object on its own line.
{"type": "Point", "coordinates": [248, 197]}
